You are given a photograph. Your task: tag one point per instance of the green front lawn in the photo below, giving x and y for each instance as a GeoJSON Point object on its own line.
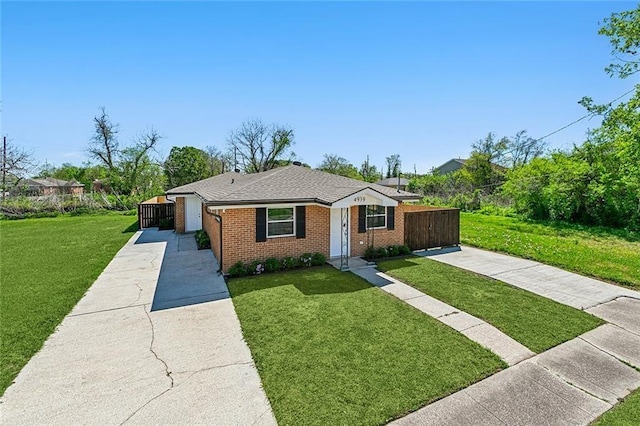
{"type": "Point", "coordinates": [331, 349]}
{"type": "Point", "coordinates": [46, 266]}
{"type": "Point", "coordinates": [605, 253]}
{"type": "Point", "coordinates": [625, 413]}
{"type": "Point", "coordinates": [536, 322]}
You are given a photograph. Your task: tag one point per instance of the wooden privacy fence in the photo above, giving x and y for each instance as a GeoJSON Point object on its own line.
{"type": "Point", "coordinates": [156, 213]}
{"type": "Point", "coordinates": [429, 227]}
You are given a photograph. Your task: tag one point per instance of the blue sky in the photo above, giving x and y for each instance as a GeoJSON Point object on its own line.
{"type": "Point", "coordinates": [421, 79]}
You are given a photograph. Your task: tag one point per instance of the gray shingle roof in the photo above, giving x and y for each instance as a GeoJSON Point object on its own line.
{"type": "Point", "coordinates": [282, 185]}
{"type": "Point", "coordinates": [393, 181]}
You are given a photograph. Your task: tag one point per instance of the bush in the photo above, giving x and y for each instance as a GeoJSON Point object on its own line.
{"type": "Point", "coordinates": [381, 252]}
{"type": "Point", "coordinates": [238, 270]}
{"type": "Point", "coordinates": [167, 223]}
{"type": "Point", "coordinates": [318, 259]}
{"type": "Point", "coordinates": [305, 259]}
{"type": "Point", "coordinates": [271, 264]}
{"type": "Point", "coordinates": [393, 251]}
{"type": "Point", "coordinates": [370, 253]}
{"type": "Point", "coordinates": [289, 262]}
{"type": "Point", "coordinates": [202, 239]}
{"type": "Point", "coordinates": [256, 267]}
{"type": "Point", "coordinates": [404, 250]}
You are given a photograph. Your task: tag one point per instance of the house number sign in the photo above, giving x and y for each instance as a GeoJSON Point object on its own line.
{"type": "Point", "coordinates": [360, 199]}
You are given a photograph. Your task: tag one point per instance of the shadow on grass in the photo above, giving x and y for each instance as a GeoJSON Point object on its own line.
{"type": "Point", "coordinates": [309, 281]}
{"type": "Point", "coordinates": [131, 228]}
{"type": "Point", "coordinates": [390, 265]}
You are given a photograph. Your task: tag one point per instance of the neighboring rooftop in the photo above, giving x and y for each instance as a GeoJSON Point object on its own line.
{"type": "Point", "coordinates": [393, 181]}
{"type": "Point", "coordinates": [284, 184]}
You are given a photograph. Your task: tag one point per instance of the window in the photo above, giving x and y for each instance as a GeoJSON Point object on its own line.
{"type": "Point", "coordinates": [280, 222]}
{"type": "Point", "coordinates": [376, 217]}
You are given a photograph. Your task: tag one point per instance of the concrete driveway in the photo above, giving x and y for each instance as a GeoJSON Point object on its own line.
{"type": "Point", "coordinates": [154, 341]}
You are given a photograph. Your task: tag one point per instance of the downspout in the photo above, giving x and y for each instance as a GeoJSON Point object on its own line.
{"type": "Point", "coordinates": [219, 220]}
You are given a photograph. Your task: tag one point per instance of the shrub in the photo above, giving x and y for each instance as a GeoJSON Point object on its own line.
{"type": "Point", "coordinates": [289, 262]}
{"type": "Point", "coordinates": [238, 270]}
{"type": "Point", "coordinates": [370, 253]}
{"type": "Point", "coordinates": [166, 223]}
{"type": "Point", "coordinates": [271, 264]}
{"type": "Point", "coordinates": [381, 252]}
{"type": "Point", "coordinates": [404, 250]}
{"type": "Point", "coordinates": [305, 259]}
{"type": "Point", "coordinates": [393, 251]}
{"type": "Point", "coordinates": [256, 267]}
{"type": "Point", "coordinates": [318, 259]}
{"type": "Point", "coordinates": [202, 239]}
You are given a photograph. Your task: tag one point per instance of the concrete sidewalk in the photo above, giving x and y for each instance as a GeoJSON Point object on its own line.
{"type": "Point", "coordinates": [573, 383]}
{"type": "Point", "coordinates": [114, 360]}
{"type": "Point", "coordinates": [511, 351]}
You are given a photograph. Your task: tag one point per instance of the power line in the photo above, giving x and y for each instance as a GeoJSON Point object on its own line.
{"type": "Point", "coordinates": [586, 116]}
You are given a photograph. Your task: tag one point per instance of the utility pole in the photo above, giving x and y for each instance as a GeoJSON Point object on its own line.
{"type": "Point", "coordinates": [4, 167]}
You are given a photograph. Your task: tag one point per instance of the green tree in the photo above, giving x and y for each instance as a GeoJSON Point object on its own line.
{"type": "Point", "coordinates": [337, 165]}
{"type": "Point", "coordinates": [369, 172]}
{"type": "Point", "coordinates": [188, 164]}
{"type": "Point", "coordinates": [393, 165]}
{"type": "Point", "coordinates": [614, 148]}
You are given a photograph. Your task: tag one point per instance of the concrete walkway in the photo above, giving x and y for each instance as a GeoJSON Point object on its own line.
{"type": "Point", "coordinates": [511, 351]}
{"type": "Point", "coordinates": [573, 383]}
{"type": "Point", "coordinates": [564, 287]}
{"type": "Point", "coordinates": [154, 341]}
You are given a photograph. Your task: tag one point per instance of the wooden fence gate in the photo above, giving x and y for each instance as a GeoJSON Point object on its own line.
{"type": "Point", "coordinates": [429, 227]}
{"type": "Point", "coordinates": [156, 215]}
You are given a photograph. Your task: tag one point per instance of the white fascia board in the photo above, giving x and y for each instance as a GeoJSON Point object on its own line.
{"type": "Point", "coordinates": [366, 196]}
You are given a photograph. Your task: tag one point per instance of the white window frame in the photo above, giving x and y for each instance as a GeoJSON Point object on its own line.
{"type": "Point", "coordinates": [375, 215]}
{"type": "Point", "coordinates": [282, 221]}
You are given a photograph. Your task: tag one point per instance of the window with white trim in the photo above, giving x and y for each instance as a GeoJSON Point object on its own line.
{"type": "Point", "coordinates": [280, 222]}
{"type": "Point", "coordinates": [376, 217]}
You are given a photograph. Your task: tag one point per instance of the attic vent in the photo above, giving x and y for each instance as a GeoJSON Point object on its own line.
{"type": "Point", "coordinates": [297, 163]}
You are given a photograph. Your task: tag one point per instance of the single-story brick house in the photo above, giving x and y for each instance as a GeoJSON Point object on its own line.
{"type": "Point", "coordinates": [289, 211]}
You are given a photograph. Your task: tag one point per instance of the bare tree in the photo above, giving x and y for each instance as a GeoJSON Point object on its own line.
{"type": "Point", "coordinates": [260, 147]}
{"type": "Point", "coordinates": [522, 148]}
{"type": "Point", "coordinates": [16, 162]}
{"type": "Point", "coordinates": [104, 143]}
{"type": "Point", "coordinates": [134, 159]}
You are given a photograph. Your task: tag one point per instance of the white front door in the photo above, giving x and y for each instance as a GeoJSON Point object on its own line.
{"type": "Point", "coordinates": [193, 214]}
{"type": "Point", "coordinates": [335, 246]}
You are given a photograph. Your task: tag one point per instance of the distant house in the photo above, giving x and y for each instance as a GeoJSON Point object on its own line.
{"type": "Point", "coordinates": [450, 166]}
{"type": "Point", "coordinates": [392, 182]}
{"type": "Point", "coordinates": [49, 186]}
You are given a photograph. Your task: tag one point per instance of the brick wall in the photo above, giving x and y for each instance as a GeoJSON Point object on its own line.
{"type": "Point", "coordinates": [381, 237]}
{"type": "Point", "coordinates": [179, 215]}
{"type": "Point", "coordinates": [239, 230]}
{"type": "Point", "coordinates": [212, 227]}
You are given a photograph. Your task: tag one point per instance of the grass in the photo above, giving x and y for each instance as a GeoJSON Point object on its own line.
{"type": "Point", "coordinates": [625, 413]}
{"type": "Point", "coordinates": [46, 266]}
{"type": "Point", "coordinates": [604, 253]}
{"type": "Point", "coordinates": [331, 349]}
{"type": "Point", "coordinates": [536, 322]}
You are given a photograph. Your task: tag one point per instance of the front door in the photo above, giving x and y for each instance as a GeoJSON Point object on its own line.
{"type": "Point", "coordinates": [335, 247]}
{"type": "Point", "coordinates": [193, 214]}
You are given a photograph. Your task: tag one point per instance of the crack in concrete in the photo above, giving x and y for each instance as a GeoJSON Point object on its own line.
{"type": "Point", "coordinates": [514, 270]}
{"type": "Point", "coordinates": [261, 415]}
{"type": "Point", "coordinates": [166, 369]}
{"type": "Point", "coordinates": [139, 294]}
{"type": "Point", "coordinates": [212, 368]}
